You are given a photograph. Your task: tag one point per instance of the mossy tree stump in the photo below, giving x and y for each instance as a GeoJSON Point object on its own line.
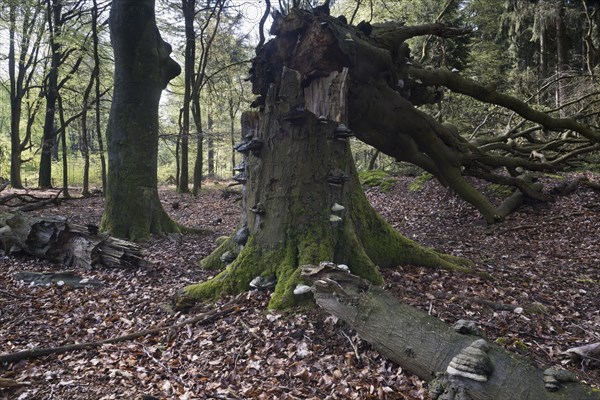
{"type": "Point", "coordinates": [302, 200]}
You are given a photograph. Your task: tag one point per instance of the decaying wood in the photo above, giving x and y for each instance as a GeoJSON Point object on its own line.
{"type": "Point", "coordinates": [60, 241]}
{"type": "Point", "coordinates": [371, 78]}
{"type": "Point", "coordinates": [202, 318]}
{"type": "Point", "coordinates": [66, 278]}
{"type": "Point", "coordinates": [23, 201]}
{"type": "Point", "coordinates": [55, 200]}
{"type": "Point", "coordinates": [425, 346]}
{"type": "Point", "coordinates": [10, 383]}
{"type": "Point", "coordinates": [588, 354]}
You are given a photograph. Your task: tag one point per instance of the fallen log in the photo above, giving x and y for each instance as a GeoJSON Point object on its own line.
{"type": "Point", "coordinates": [66, 278]}
{"type": "Point", "coordinates": [73, 245]}
{"type": "Point", "coordinates": [458, 365]}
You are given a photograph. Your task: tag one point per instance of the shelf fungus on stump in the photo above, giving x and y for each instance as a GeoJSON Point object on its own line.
{"type": "Point", "coordinates": [228, 257]}
{"type": "Point", "coordinates": [465, 327]}
{"type": "Point", "coordinates": [296, 116]}
{"type": "Point", "coordinates": [555, 377]}
{"type": "Point", "coordinates": [342, 132]}
{"type": "Point", "coordinates": [472, 362]}
{"type": "Point", "coordinates": [337, 177]}
{"type": "Point", "coordinates": [258, 209]}
{"type": "Point", "coordinates": [241, 178]}
{"type": "Point", "coordinates": [252, 146]}
{"type": "Point", "coordinates": [240, 167]}
{"type": "Point", "coordinates": [337, 207]}
{"type": "Point", "coordinates": [263, 282]}
{"type": "Point", "coordinates": [241, 236]}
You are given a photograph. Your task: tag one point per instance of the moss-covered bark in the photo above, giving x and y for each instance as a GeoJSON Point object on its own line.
{"type": "Point", "coordinates": [142, 70]}
{"type": "Point", "coordinates": [303, 204]}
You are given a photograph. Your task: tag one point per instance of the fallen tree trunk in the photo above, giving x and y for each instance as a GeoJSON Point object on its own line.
{"type": "Point", "coordinates": [75, 246]}
{"type": "Point", "coordinates": [459, 366]}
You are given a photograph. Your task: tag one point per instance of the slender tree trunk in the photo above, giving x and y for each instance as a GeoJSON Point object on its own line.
{"type": "Point", "coordinates": [51, 88]}
{"type": "Point", "coordinates": [63, 141]}
{"type": "Point", "coordinates": [373, 160]}
{"type": "Point", "coordinates": [96, 74]}
{"type": "Point", "coordinates": [562, 53]}
{"type": "Point", "coordinates": [189, 9]}
{"type": "Point", "coordinates": [85, 151]}
{"type": "Point", "coordinates": [85, 137]}
{"type": "Point", "coordinates": [21, 72]}
{"type": "Point", "coordinates": [142, 70]}
{"type": "Point", "coordinates": [210, 148]}
{"type": "Point", "coordinates": [543, 69]}
{"type": "Point", "coordinates": [16, 95]}
{"type": "Point", "coordinates": [197, 112]}
{"type": "Point", "coordinates": [232, 130]}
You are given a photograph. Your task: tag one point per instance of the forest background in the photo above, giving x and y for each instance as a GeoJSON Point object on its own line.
{"type": "Point", "coordinates": [56, 79]}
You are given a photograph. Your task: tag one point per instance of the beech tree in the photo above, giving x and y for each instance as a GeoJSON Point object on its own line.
{"type": "Point", "coordinates": [23, 57]}
{"type": "Point", "coordinates": [319, 81]}
{"type": "Point", "coordinates": [142, 70]}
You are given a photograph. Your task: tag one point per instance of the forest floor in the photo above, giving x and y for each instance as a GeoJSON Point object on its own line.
{"type": "Point", "coordinates": [545, 254]}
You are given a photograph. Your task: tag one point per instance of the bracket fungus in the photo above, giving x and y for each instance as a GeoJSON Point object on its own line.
{"type": "Point", "coordinates": [472, 362]}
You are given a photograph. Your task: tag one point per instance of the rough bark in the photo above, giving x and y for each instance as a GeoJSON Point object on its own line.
{"type": "Point", "coordinates": [385, 85]}
{"type": "Point", "coordinates": [302, 201]}
{"type": "Point", "coordinates": [21, 67]}
{"type": "Point", "coordinates": [96, 73]}
{"type": "Point", "coordinates": [73, 245]}
{"type": "Point", "coordinates": [51, 90]}
{"type": "Point", "coordinates": [425, 346]}
{"type": "Point", "coordinates": [142, 70]}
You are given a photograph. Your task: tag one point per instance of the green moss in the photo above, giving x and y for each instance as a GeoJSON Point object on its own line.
{"type": "Point", "coordinates": [587, 280]}
{"type": "Point", "coordinates": [252, 262]}
{"type": "Point", "coordinates": [377, 178]}
{"type": "Point", "coordinates": [288, 276]}
{"type": "Point", "coordinates": [500, 190]}
{"type": "Point", "coordinates": [213, 260]}
{"type": "Point", "coordinates": [536, 308]}
{"type": "Point", "coordinates": [385, 247]}
{"type": "Point", "coordinates": [501, 340]}
{"type": "Point", "coordinates": [221, 239]}
{"type": "Point", "coordinates": [419, 182]}
{"type": "Point", "coordinates": [554, 176]}
{"type": "Point", "coordinates": [520, 344]}
{"type": "Point", "coordinates": [315, 245]}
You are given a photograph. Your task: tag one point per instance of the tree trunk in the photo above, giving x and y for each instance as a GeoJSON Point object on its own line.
{"type": "Point", "coordinates": [232, 111]}
{"type": "Point", "coordinates": [63, 143]}
{"type": "Point", "coordinates": [96, 74]}
{"type": "Point", "coordinates": [51, 88]}
{"type": "Point", "coordinates": [562, 53]}
{"type": "Point", "coordinates": [425, 346]}
{"type": "Point", "coordinates": [16, 96]}
{"type": "Point", "coordinates": [543, 68]}
{"type": "Point", "coordinates": [189, 9]}
{"type": "Point", "coordinates": [73, 245]}
{"type": "Point", "coordinates": [385, 87]}
{"type": "Point", "coordinates": [21, 70]}
{"type": "Point", "coordinates": [142, 70]}
{"type": "Point", "coordinates": [302, 201]}
{"type": "Point", "coordinates": [210, 147]}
